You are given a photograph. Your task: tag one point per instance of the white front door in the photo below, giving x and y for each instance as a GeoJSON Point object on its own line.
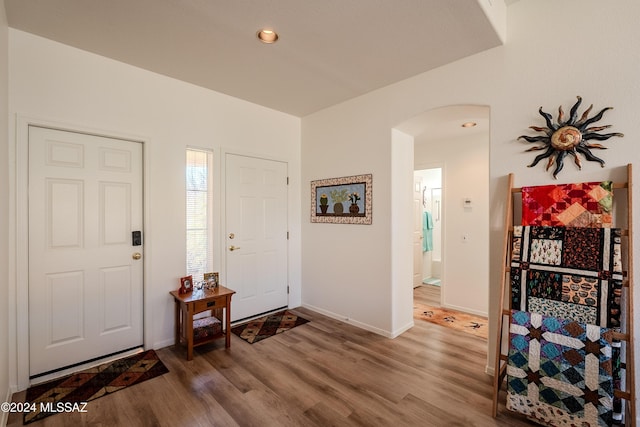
{"type": "Point", "coordinates": [85, 287]}
{"type": "Point", "coordinates": [256, 234]}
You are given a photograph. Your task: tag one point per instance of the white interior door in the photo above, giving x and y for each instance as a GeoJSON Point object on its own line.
{"type": "Point", "coordinates": [436, 197]}
{"type": "Point", "coordinates": [85, 287]}
{"type": "Point", "coordinates": [417, 231]}
{"type": "Point", "coordinates": [256, 234]}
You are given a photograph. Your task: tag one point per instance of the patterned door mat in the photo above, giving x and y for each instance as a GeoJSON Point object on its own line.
{"type": "Point", "coordinates": [92, 383]}
{"type": "Point", "coordinates": [475, 325]}
{"type": "Point", "coordinates": [268, 326]}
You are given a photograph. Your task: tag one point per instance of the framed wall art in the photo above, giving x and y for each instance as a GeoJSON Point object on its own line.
{"type": "Point", "coordinates": [345, 200]}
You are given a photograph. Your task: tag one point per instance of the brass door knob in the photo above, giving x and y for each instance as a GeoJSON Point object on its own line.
{"type": "Point", "coordinates": [233, 248]}
{"type": "Point", "coordinates": [136, 255]}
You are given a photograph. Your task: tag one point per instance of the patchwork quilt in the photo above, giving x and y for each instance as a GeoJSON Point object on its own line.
{"type": "Point", "coordinates": [569, 273]}
{"type": "Point", "coordinates": [559, 372]}
{"type": "Point", "coordinates": [587, 204]}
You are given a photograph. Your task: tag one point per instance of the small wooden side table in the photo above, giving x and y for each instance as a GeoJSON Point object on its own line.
{"type": "Point", "coordinates": [187, 305]}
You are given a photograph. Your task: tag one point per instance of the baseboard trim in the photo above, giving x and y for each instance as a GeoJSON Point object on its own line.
{"type": "Point", "coordinates": [489, 370]}
{"type": "Point", "coordinates": [4, 415]}
{"type": "Point", "coordinates": [164, 343]}
{"type": "Point", "coordinates": [402, 330]}
{"type": "Point", "coordinates": [465, 310]}
{"type": "Point", "coordinates": [348, 320]}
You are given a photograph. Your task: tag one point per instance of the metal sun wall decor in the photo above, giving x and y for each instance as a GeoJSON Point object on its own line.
{"type": "Point", "coordinates": [569, 137]}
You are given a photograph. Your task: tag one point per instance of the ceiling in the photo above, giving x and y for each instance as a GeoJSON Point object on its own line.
{"type": "Point", "coordinates": [329, 50]}
{"type": "Point", "coordinates": [445, 123]}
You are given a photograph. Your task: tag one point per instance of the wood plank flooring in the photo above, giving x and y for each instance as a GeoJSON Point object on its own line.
{"type": "Point", "coordinates": [323, 373]}
{"type": "Point", "coordinates": [427, 294]}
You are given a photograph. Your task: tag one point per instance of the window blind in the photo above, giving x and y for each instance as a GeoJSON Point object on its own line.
{"type": "Point", "coordinates": [198, 215]}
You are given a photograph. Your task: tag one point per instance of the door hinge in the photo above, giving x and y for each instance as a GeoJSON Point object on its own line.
{"type": "Point", "coordinates": [287, 289]}
{"type": "Point", "coordinates": [287, 180]}
{"type": "Point", "coordinates": [287, 235]}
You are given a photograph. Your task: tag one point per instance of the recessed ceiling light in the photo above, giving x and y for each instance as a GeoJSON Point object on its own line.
{"type": "Point", "coordinates": [267, 36]}
{"type": "Point", "coordinates": [469, 124]}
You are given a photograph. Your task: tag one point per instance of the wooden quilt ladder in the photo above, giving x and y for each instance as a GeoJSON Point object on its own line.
{"type": "Point", "coordinates": [626, 334]}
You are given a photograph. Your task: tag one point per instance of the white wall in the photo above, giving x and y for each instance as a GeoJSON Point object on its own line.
{"type": "Point", "coordinates": [401, 295]}
{"type": "Point", "coordinates": [58, 83]}
{"type": "Point", "coordinates": [4, 214]}
{"type": "Point", "coordinates": [465, 275]}
{"type": "Point", "coordinates": [545, 62]}
{"type": "Point", "coordinates": [346, 269]}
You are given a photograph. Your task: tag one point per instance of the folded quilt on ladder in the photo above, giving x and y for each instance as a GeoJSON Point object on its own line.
{"type": "Point", "coordinates": [559, 372]}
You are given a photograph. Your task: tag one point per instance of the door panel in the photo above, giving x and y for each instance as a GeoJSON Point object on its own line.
{"type": "Point", "coordinates": [115, 283]}
{"type": "Point", "coordinates": [64, 314]}
{"type": "Point", "coordinates": [256, 217]}
{"type": "Point", "coordinates": [115, 213]}
{"type": "Point", "coordinates": [417, 232]}
{"type": "Point", "coordinates": [85, 290]}
{"type": "Point", "coordinates": [64, 202]}
{"type": "Point", "coordinates": [436, 197]}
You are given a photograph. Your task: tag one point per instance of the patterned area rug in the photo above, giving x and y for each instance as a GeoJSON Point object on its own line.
{"type": "Point", "coordinates": [476, 325]}
{"type": "Point", "coordinates": [92, 383]}
{"type": "Point", "coordinates": [268, 326]}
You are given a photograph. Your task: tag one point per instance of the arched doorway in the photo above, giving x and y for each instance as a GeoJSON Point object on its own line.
{"type": "Point", "coordinates": [441, 140]}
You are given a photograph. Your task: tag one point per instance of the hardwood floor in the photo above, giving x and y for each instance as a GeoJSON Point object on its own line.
{"type": "Point", "coordinates": [323, 373]}
{"type": "Point", "coordinates": [427, 294]}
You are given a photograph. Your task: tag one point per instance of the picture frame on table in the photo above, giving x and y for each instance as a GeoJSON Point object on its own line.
{"type": "Point", "coordinates": [212, 280]}
{"type": "Point", "coordinates": [186, 285]}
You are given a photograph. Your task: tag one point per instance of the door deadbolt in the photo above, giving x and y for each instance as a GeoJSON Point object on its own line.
{"type": "Point", "coordinates": [231, 235]}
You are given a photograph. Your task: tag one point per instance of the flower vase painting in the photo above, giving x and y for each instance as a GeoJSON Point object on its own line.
{"type": "Point", "coordinates": [345, 200]}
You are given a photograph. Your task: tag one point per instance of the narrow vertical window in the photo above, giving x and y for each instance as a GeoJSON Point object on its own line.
{"type": "Point", "coordinates": [199, 208]}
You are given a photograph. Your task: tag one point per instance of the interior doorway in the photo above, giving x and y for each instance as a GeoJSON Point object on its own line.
{"type": "Point", "coordinates": [456, 139]}
{"type": "Point", "coordinates": [429, 220]}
